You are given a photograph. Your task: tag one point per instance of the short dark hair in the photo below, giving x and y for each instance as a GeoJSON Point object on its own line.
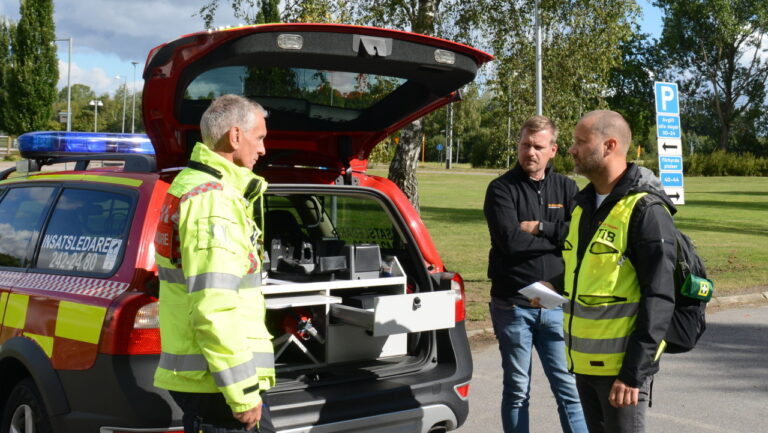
{"type": "Point", "coordinates": [540, 123]}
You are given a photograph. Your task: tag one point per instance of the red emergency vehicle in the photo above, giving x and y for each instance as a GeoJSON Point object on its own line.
{"type": "Point", "coordinates": [368, 324]}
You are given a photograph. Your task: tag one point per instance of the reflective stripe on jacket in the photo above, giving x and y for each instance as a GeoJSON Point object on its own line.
{"type": "Point", "coordinates": [603, 293]}
{"type": "Point", "coordinates": [209, 263]}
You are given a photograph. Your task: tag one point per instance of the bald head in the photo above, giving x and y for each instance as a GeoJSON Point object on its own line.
{"type": "Point", "coordinates": [609, 124]}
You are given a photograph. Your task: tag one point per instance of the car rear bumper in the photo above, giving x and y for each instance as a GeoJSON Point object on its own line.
{"type": "Point", "coordinates": [117, 395]}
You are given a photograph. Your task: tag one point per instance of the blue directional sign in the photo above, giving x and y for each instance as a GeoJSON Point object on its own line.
{"type": "Point", "coordinates": [671, 163]}
{"type": "Point", "coordinates": [668, 126]}
{"type": "Point", "coordinates": [671, 179]}
{"type": "Point", "coordinates": [666, 98]}
{"type": "Point", "coordinates": [439, 147]}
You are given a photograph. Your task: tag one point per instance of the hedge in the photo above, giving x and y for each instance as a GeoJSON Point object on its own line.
{"type": "Point", "coordinates": [718, 163]}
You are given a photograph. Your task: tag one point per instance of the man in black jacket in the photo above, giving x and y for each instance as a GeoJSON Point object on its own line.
{"type": "Point", "coordinates": [619, 264]}
{"type": "Point", "coordinates": [527, 210]}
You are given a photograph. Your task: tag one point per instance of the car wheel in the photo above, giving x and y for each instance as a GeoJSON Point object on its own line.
{"type": "Point", "coordinates": [24, 411]}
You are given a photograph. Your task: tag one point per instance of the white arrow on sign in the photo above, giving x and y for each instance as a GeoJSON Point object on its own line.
{"type": "Point", "coordinates": [670, 147]}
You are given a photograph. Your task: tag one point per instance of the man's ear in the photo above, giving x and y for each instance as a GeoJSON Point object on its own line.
{"type": "Point", "coordinates": [235, 135]}
{"type": "Point", "coordinates": [610, 145]}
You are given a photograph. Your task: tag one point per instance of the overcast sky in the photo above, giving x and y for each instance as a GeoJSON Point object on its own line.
{"type": "Point", "coordinates": [109, 34]}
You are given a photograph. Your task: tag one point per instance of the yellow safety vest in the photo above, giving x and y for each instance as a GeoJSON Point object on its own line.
{"type": "Point", "coordinates": [212, 309]}
{"type": "Point", "coordinates": [603, 293]}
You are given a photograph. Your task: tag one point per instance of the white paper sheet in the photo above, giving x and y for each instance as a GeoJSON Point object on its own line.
{"type": "Point", "coordinates": [547, 297]}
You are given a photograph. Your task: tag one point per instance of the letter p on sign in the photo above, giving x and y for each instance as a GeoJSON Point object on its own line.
{"type": "Point", "coordinates": [666, 98]}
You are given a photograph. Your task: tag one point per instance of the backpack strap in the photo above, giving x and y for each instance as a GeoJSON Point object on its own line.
{"type": "Point", "coordinates": [639, 210]}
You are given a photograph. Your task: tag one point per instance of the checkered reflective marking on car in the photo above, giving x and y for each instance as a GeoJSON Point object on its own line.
{"type": "Point", "coordinates": [68, 332]}
{"type": "Point", "coordinates": [75, 285]}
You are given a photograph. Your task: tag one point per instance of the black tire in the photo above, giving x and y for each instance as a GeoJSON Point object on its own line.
{"type": "Point", "coordinates": [24, 410]}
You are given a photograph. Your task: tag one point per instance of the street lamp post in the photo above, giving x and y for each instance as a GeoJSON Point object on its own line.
{"type": "Point", "coordinates": [133, 108]}
{"type": "Point", "coordinates": [125, 91]}
{"type": "Point", "coordinates": [539, 104]}
{"type": "Point", "coordinates": [69, 82]}
{"type": "Point", "coordinates": [96, 104]}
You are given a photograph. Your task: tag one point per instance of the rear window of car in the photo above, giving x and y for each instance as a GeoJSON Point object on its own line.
{"type": "Point", "coordinates": [308, 228]}
{"type": "Point", "coordinates": [295, 87]}
{"type": "Point", "coordinates": [22, 211]}
{"type": "Point", "coordinates": [87, 231]}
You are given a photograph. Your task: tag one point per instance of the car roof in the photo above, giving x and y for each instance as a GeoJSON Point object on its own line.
{"type": "Point", "coordinates": [332, 91]}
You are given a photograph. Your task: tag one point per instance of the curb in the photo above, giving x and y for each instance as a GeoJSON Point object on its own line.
{"type": "Point", "coordinates": [725, 301]}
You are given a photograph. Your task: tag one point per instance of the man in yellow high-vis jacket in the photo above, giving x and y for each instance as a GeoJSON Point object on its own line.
{"type": "Point", "coordinates": [619, 262]}
{"type": "Point", "coordinates": [217, 355]}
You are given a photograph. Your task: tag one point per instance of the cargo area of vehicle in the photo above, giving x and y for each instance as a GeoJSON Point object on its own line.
{"type": "Point", "coordinates": [337, 288]}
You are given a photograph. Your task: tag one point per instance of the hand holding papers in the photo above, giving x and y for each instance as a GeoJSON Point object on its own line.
{"type": "Point", "coordinates": [547, 297]}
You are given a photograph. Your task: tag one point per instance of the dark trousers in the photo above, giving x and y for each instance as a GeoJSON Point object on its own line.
{"type": "Point", "coordinates": [601, 416]}
{"type": "Point", "coordinates": [210, 413]}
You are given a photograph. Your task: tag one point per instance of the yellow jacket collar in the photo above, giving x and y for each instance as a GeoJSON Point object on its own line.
{"type": "Point", "coordinates": [232, 174]}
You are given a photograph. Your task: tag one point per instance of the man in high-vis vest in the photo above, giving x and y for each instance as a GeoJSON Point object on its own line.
{"type": "Point", "coordinates": [619, 262]}
{"type": "Point", "coordinates": [217, 355]}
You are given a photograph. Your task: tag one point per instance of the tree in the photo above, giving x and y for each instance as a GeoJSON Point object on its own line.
{"type": "Point", "coordinates": [631, 91]}
{"type": "Point", "coordinates": [7, 29]}
{"type": "Point", "coordinates": [251, 11]}
{"type": "Point", "coordinates": [580, 46]}
{"type": "Point", "coordinates": [417, 16]}
{"type": "Point", "coordinates": [716, 45]}
{"type": "Point", "coordinates": [33, 73]}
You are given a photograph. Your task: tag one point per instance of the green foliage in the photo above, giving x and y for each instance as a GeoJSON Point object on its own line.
{"type": "Point", "coordinates": [720, 163]}
{"type": "Point", "coordinates": [31, 80]}
{"type": "Point", "coordinates": [580, 47]}
{"type": "Point", "coordinates": [631, 91]}
{"type": "Point", "coordinates": [714, 44]}
{"type": "Point", "coordinates": [7, 29]}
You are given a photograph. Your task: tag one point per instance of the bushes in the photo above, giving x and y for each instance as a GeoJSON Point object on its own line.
{"type": "Point", "coordinates": [720, 163]}
{"type": "Point", "coordinates": [717, 163]}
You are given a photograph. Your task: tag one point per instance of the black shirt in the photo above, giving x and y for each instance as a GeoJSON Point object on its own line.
{"type": "Point", "coordinates": [517, 258]}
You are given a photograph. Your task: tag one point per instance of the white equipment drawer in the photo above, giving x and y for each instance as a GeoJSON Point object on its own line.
{"type": "Point", "coordinates": [397, 314]}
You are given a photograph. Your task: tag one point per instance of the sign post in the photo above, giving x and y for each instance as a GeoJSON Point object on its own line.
{"type": "Point", "coordinates": [668, 139]}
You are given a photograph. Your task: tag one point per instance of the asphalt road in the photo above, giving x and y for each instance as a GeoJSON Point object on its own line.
{"type": "Point", "coordinates": [720, 386]}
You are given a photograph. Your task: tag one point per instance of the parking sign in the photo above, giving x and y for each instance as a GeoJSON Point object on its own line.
{"type": "Point", "coordinates": [669, 136]}
{"type": "Point", "coordinates": [666, 98]}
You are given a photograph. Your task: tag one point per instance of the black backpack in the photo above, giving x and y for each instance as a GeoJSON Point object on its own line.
{"type": "Point", "coordinates": [692, 292]}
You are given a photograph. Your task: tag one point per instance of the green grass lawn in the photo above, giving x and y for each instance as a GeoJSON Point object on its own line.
{"type": "Point", "coordinates": [727, 217]}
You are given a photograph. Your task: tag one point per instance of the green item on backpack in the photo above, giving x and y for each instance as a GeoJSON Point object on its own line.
{"type": "Point", "coordinates": [697, 288]}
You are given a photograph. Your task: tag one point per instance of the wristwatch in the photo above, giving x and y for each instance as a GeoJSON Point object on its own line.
{"type": "Point", "coordinates": [541, 227]}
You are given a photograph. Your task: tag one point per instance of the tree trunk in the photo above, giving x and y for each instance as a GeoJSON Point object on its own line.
{"type": "Point", "coordinates": [402, 169]}
{"type": "Point", "coordinates": [725, 134]}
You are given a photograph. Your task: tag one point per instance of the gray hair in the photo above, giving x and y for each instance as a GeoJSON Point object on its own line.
{"type": "Point", "coordinates": [226, 112]}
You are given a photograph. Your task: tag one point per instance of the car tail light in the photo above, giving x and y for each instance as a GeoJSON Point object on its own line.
{"type": "Point", "coordinates": [134, 326]}
{"type": "Point", "coordinates": [457, 285]}
{"type": "Point", "coordinates": [462, 390]}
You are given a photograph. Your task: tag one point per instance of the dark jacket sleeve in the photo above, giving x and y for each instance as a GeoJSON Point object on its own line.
{"type": "Point", "coordinates": [500, 210]}
{"type": "Point", "coordinates": [557, 231]}
{"type": "Point", "coordinates": [652, 251]}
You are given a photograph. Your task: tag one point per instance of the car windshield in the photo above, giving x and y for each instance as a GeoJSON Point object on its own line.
{"type": "Point", "coordinates": [350, 90]}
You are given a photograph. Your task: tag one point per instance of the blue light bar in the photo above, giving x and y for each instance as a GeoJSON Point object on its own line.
{"type": "Point", "coordinates": [83, 142]}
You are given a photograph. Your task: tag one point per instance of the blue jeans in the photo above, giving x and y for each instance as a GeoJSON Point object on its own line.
{"type": "Point", "coordinates": [519, 330]}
